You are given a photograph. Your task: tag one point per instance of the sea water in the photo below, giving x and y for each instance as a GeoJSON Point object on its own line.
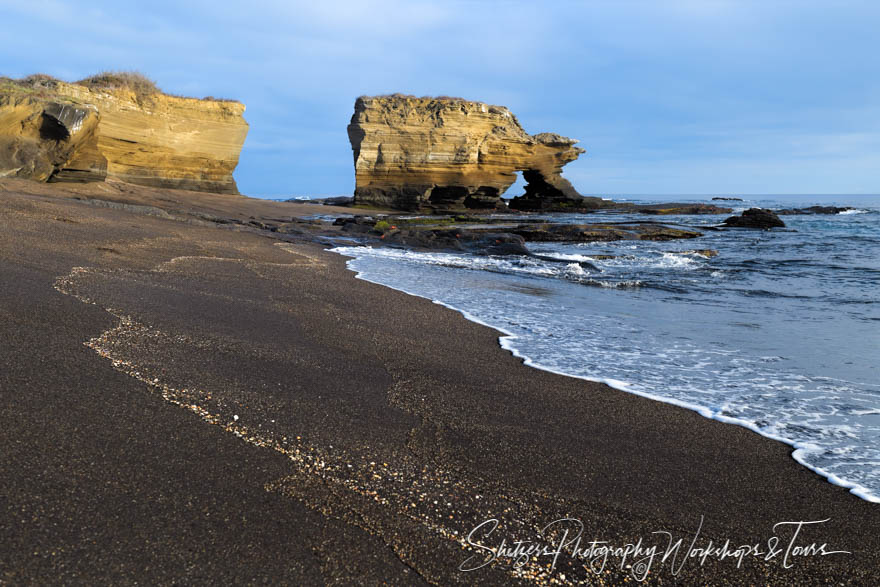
{"type": "Point", "coordinates": [780, 332]}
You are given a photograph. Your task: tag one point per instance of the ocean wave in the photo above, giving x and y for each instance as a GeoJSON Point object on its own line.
{"type": "Point", "coordinates": [570, 257]}
{"type": "Point", "coordinates": [684, 260]}
{"type": "Point", "coordinates": [508, 264]}
{"type": "Point", "coordinates": [798, 424]}
{"type": "Point", "coordinates": [711, 339]}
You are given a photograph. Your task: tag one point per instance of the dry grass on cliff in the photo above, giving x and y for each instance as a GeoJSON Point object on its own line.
{"type": "Point", "coordinates": [400, 96]}
{"type": "Point", "coordinates": [37, 80]}
{"type": "Point", "coordinates": [216, 99]}
{"type": "Point", "coordinates": [38, 84]}
{"type": "Point", "coordinates": [450, 99]}
{"type": "Point", "coordinates": [141, 85]}
{"type": "Point", "coordinates": [138, 83]}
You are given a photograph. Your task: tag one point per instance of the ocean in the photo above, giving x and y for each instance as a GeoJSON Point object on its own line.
{"type": "Point", "coordinates": [780, 332]}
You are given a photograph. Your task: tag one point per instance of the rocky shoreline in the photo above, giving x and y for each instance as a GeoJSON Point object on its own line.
{"type": "Point", "coordinates": [328, 429]}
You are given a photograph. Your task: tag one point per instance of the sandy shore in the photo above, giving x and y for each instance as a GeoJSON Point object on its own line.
{"type": "Point", "coordinates": [187, 399]}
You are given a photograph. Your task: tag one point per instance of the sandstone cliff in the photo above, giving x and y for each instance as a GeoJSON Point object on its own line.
{"type": "Point", "coordinates": [55, 131]}
{"type": "Point", "coordinates": [41, 139]}
{"type": "Point", "coordinates": [435, 154]}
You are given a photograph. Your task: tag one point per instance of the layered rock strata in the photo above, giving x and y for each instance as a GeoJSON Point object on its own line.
{"type": "Point", "coordinates": [68, 132]}
{"type": "Point", "coordinates": [434, 154]}
{"type": "Point", "coordinates": [42, 139]}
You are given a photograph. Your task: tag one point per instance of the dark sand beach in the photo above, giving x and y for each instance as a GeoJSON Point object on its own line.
{"type": "Point", "coordinates": [187, 399]}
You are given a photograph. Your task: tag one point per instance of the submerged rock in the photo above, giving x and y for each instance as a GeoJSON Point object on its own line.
{"type": "Point", "coordinates": [331, 201]}
{"type": "Point", "coordinates": [815, 210]}
{"type": "Point", "coordinates": [755, 218]}
{"type": "Point", "coordinates": [435, 239]}
{"type": "Point", "coordinates": [437, 154]}
{"type": "Point", "coordinates": [583, 233]}
{"type": "Point", "coordinates": [338, 201]}
{"type": "Point", "coordinates": [675, 208]}
{"type": "Point", "coordinates": [459, 236]}
{"type": "Point", "coordinates": [708, 253]}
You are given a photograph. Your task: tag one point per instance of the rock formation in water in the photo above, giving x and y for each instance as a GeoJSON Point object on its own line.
{"type": "Point", "coordinates": [434, 154]}
{"type": "Point", "coordinates": [815, 210]}
{"type": "Point", "coordinates": [55, 131]}
{"type": "Point", "coordinates": [485, 236]}
{"type": "Point", "coordinates": [756, 218]}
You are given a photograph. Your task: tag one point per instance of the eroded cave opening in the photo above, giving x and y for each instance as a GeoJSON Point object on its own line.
{"type": "Point", "coordinates": [484, 197]}
{"type": "Point", "coordinates": [52, 130]}
{"type": "Point", "coordinates": [517, 188]}
{"type": "Point", "coordinates": [537, 185]}
{"type": "Point", "coordinates": [543, 192]}
{"type": "Point", "coordinates": [443, 196]}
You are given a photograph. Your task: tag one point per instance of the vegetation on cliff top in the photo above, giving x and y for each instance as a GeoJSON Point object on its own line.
{"type": "Point", "coordinates": [142, 86]}
{"type": "Point", "coordinates": [135, 81]}
{"type": "Point", "coordinates": [399, 96]}
{"type": "Point", "coordinates": [38, 84]}
{"type": "Point", "coordinates": [429, 99]}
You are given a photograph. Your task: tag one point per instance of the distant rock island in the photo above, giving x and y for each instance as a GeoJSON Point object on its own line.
{"type": "Point", "coordinates": [440, 154]}
{"type": "Point", "coordinates": [120, 126]}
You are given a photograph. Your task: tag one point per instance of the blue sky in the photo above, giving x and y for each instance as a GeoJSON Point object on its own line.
{"type": "Point", "coordinates": [676, 97]}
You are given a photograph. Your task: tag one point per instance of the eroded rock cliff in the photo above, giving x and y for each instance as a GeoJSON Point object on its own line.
{"type": "Point", "coordinates": [434, 154]}
{"type": "Point", "coordinates": [69, 132]}
{"type": "Point", "coordinates": [41, 138]}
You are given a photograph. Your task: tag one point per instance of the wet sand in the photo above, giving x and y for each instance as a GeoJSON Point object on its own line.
{"type": "Point", "coordinates": [188, 400]}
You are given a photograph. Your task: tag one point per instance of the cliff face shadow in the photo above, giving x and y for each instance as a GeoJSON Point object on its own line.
{"type": "Point", "coordinates": [52, 130]}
